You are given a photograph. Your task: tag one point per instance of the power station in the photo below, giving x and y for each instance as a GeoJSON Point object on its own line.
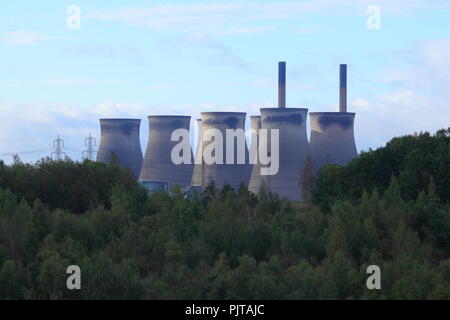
{"type": "Point", "coordinates": [278, 150]}
{"type": "Point", "coordinates": [120, 137]}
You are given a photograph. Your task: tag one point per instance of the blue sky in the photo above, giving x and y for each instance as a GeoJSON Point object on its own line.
{"type": "Point", "coordinates": [139, 58]}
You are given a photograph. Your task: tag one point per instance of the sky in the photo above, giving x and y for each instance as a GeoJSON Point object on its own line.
{"type": "Point", "coordinates": [137, 58]}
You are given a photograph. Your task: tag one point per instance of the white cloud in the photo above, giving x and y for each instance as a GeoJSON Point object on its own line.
{"type": "Point", "coordinates": [118, 109]}
{"type": "Point", "coordinates": [396, 75]}
{"type": "Point", "coordinates": [435, 53]}
{"type": "Point", "coordinates": [394, 114]}
{"type": "Point", "coordinates": [213, 17]}
{"type": "Point", "coordinates": [25, 37]}
{"type": "Point", "coordinates": [215, 52]}
{"type": "Point", "coordinates": [36, 124]}
{"type": "Point", "coordinates": [265, 83]}
{"type": "Point", "coordinates": [398, 112]}
{"type": "Point", "coordinates": [79, 81]}
{"type": "Point", "coordinates": [428, 68]}
{"type": "Point", "coordinates": [291, 85]}
{"type": "Point", "coordinates": [307, 31]}
{"type": "Point", "coordinates": [247, 30]}
{"type": "Point", "coordinates": [360, 104]}
{"type": "Point", "coordinates": [417, 100]}
{"type": "Point", "coordinates": [127, 53]}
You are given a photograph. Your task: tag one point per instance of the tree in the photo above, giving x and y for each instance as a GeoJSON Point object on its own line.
{"type": "Point", "coordinates": [12, 281]}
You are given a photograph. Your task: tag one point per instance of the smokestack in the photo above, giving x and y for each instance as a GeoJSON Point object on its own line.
{"type": "Point", "coordinates": [343, 88]}
{"type": "Point", "coordinates": [281, 84]}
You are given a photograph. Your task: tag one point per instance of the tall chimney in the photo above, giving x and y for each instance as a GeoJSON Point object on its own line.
{"type": "Point", "coordinates": [343, 88]}
{"type": "Point", "coordinates": [281, 84]}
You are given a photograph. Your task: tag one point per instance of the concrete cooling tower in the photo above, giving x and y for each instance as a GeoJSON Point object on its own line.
{"type": "Point", "coordinates": [332, 133]}
{"type": "Point", "coordinates": [197, 175]}
{"type": "Point", "coordinates": [121, 137]}
{"type": "Point", "coordinates": [159, 172]}
{"type": "Point", "coordinates": [293, 150]}
{"type": "Point", "coordinates": [222, 172]}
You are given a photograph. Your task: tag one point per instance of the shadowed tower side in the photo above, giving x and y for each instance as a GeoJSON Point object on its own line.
{"type": "Point", "coordinates": [121, 138]}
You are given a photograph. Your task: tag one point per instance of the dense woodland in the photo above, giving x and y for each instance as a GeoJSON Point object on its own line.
{"type": "Point", "coordinates": [389, 207]}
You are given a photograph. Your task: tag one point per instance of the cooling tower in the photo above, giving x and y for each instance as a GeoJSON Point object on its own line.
{"type": "Point", "coordinates": [197, 175]}
{"type": "Point", "coordinates": [159, 171]}
{"type": "Point", "coordinates": [293, 150]}
{"type": "Point", "coordinates": [121, 137]}
{"type": "Point", "coordinates": [332, 139]}
{"type": "Point", "coordinates": [230, 168]}
{"type": "Point", "coordinates": [332, 133]}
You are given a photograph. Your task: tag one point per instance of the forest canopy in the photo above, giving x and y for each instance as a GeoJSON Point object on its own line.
{"type": "Point", "coordinates": [388, 207]}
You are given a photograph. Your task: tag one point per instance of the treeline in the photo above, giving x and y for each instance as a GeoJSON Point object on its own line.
{"type": "Point", "coordinates": [415, 160]}
{"type": "Point", "coordinates": [225, 244]}
{"type": "Point", "coordinates": [67, 184]}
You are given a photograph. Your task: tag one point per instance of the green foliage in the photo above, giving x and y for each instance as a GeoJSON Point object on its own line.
{"type": "Point", "coordinates": [415, 160]}
{"type": "Point", "coordinates": [227, 244]}
{"type": "Point", "coordinates": [66, 184]}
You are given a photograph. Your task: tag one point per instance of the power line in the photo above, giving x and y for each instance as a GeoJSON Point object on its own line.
{"type": "Point", "coordinates": [26, 139]}
{"type": "Point", "coordinates": [77, 149]}
{"type": "Point", "coordinates": [89, 143]}
{"type": "Point", "coordinates": [58, 144]}
{"type": "Point", "coordinates": [89, 152]}
{"type": "Point", "coordinates": [23, 152]}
